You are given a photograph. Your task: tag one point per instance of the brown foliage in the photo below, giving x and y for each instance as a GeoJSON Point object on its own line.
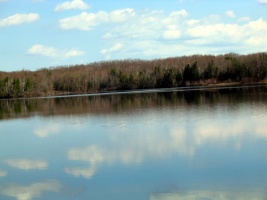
{"type": "Point", "coordinates": [134, 74]}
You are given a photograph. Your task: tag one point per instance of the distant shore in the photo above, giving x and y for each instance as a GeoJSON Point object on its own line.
{"type": "Point", "coordinates": [219, 86]}
{"type": "Point", "coordinates": [203, 71]}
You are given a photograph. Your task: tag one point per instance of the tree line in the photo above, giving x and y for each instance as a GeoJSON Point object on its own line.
{"type": "Point", "coordinates": [135, 74]}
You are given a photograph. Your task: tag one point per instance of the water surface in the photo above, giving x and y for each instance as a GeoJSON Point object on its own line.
{"type": "Point", "coordinates": [209, 144]}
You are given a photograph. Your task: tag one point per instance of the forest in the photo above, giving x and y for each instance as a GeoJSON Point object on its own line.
{"type": "Point", "coordinates": [195, 70]}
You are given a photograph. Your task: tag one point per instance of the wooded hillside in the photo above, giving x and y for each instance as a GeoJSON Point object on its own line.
{"type": "Point", "coordinates": [135, 74]}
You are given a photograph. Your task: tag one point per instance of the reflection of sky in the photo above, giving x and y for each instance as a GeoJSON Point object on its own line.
{"type": "Point", "coordinates": [145, 150]}
{"type": "Point", "coordinates": [30, 191]}
{"type": "Point", "coordinates": [26, 164]}
{"type": "Point", "coordinates": [3, 173]}
{"type": "Point", "coordinates": [209, 195]}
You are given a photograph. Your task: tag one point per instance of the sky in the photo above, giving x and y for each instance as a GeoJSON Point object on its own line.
{"type": "Point", "coordinates": [38, 34]}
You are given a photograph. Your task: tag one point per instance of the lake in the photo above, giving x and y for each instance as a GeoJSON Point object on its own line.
{"type": "Point", "coordinates": [159, 145]}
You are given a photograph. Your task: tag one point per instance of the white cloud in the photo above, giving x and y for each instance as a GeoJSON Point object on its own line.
{"type": "Point", "coordinates": [256, 41]}
{"type": "Point", "coordinates": [179, 13]}
{"type": "Point", "coordinates": [32, 191]}
{"type": "Point", "coordinates": [107, 36]}
{"type": "Point", "coordinates": [116, 47]}
{"type": "Point", "coordinates": [257, 33]}
{"type": "Point", "coordinates": [230, 13]}
{"type": "Point", "coordinates": [85, 21]}
{"type": "Point", "coordinates": [27, 164]}
{"type": "Point", "coordinates": [112, 49]}
{"type": "Point", "coordinates": [262, 2]}
{"type": "Point", "coordinates": [257, 26]}
{"type": "Point", "coordinates": [18, 19]}
{"type": "Point", "coordinates": [247, 37]}
{"type": "Point", "coordinates": [43, 50]}
{"type": "Point", "coordinates": [2, 173]}
{"type": "Point", "coordinates": [244, 19]}
{"type": "Point", "coordinates": [155, 33]}
{"type": "Point", "coordinates": [74, 4]}
{"type": "Point", "coordinates": [172, 34]}
{"type": "Point", "coordinates": [219, 31]}
{"type": "Point", "coordinates": [53, 53]}
{"type": "Point", "coordinates": [74, 53]}
{"type": "Point", "coordinates": [121, 15]}
{"type": "Point", "coordinates": [192, 22]}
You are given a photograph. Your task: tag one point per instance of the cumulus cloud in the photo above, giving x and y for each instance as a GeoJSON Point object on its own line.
{"type": "Point", "coordinates": [74, 53]}
{"type": "Point", "coordinates": [25, 164]}
{"type": "Point", "coordinates": [172, 32]}
{"type": "Point", "coordinates": [179, 13]}
{"type": "Point", "coordinates": [263, 2]}
{"type": "Point", "coordinates": [32, 191]}
{"type": "Point", "coordinates": [74, 4]}
{"type": "Point", "coordinates": [43, 50]}
{"type": "Point", "coordinates": [112, 49]}
{"type": "Point", "coordinates": [121, 15]}
{"type": "Point", "coordinates": [244, 36]}
{"type": "Point", "coordinates": [257, 25]}
{"type": "Point", "coordinates": [230, 13]}
{"type": "Point", "coordinates": [18, 19]}
{"type": "Point", "coordinates": [2, 173]}
{"type": "Point", "coordinates": [206, 31]}
{"type": "Point", "coordinates": [85, 21]}
{"type": "Point", "coordinates": [155, 33]}
{"type": "Point", "coordinates": [201, 37]}
{"type": "Point", "coordinates": [52, 52]}
{"type": "Point", "coordinates": [256, 31]}
{"type": "Point", "coordinates": [244, 19]}
{"type": "Point", "coordinates": [191, 22]}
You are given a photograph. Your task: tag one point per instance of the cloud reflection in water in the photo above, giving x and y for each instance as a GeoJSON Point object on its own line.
{"type": "Point", "coordinates": [178, 140]}
{"type": "Point", "coordinates": [27, 164]}
{"type": "Point", "coordinates": [2, 173]}
{"type": "Point", "coordinates": [31, 191]}
{"type": "Point", "coordinates": [209, 195]}
{"type": "Point", "coordinates": [46, 131]}
{"type": "Point", "coordinates": [83, 172]}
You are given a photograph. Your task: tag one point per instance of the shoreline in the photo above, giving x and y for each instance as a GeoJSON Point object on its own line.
{"type": "Point", "coordinates": [116, 101]}
{"type": "Point", "coordinates": [218, 86]}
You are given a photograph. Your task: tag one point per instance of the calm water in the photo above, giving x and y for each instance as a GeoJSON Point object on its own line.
{"type": "Point", "coordinates": [148, 146]}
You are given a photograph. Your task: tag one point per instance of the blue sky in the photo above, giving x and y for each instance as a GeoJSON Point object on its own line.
{"type": "Point", "coordinates": [43, 33]}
